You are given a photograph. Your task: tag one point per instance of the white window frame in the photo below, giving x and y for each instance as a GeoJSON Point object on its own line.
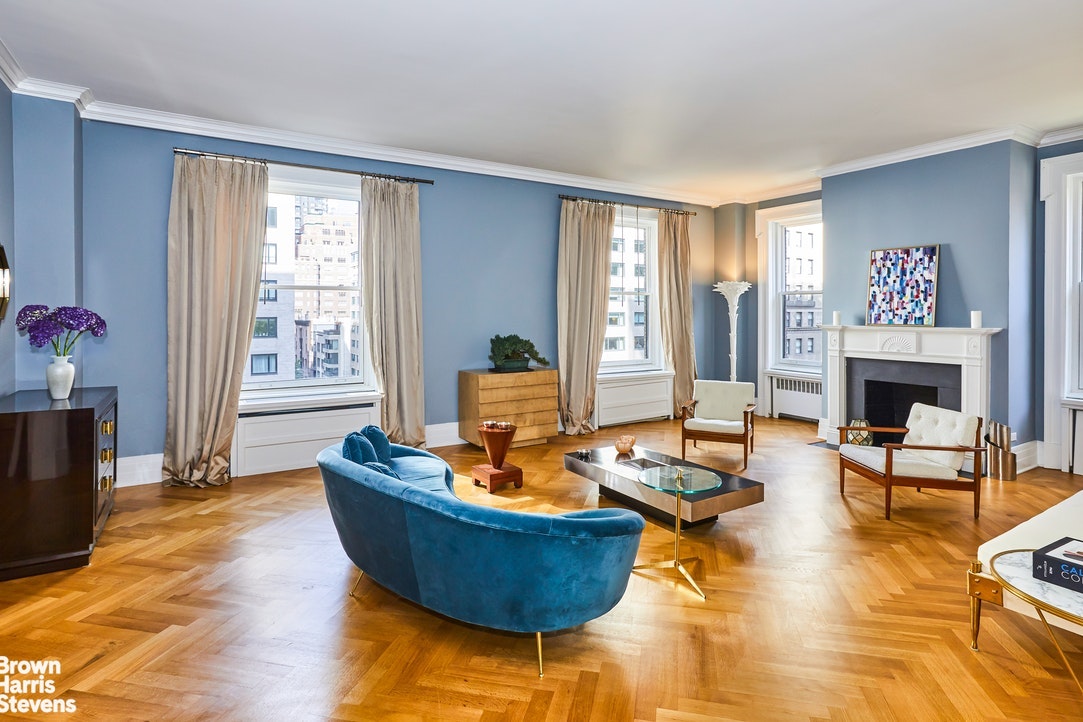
{"type": "Point", "coordinates": [1061, 188]}
{"type": "Point", "coordinates": [328, 184]}
{"type": "Point", "coordinates": [648, 220]}
{"type": "Point", "coordinates": [770, 227]}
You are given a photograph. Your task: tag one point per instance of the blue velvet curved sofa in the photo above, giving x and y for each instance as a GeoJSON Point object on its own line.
{"type": "Point", "coordinates": [507, 570]}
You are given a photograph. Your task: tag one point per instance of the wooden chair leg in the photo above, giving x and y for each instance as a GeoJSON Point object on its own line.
{"type": "Point", "coordinates": [887, 500]}
{"type": "Point", "coordinates": [745, 447]}
{"type": "Point", "coordinates": [977, 495]}
{"type": "Point", "coordinates": [842, 476]}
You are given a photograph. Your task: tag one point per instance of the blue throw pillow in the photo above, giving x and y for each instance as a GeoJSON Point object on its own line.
{"type": "Point", "coordinates": [382, 468]}
{"type": "Point", "coordinates": [378, 439]}
{"type": "Point", "coordinates": [358, 449]}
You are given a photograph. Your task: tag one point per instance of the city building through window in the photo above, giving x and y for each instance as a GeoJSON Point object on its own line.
{"type": "Point", "coordinates": [309, 301]}
{"type": "Point", "coordinates": [632, 340]}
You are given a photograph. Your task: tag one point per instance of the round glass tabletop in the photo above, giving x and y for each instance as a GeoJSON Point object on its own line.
{"type": "Point", "coordinates": [689, 479]}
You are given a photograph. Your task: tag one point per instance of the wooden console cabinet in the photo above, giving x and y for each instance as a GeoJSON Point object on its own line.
{"type": "Point", "coordinates": [57, 475]}
{"type": "Point", "coordinates": [528, 399]}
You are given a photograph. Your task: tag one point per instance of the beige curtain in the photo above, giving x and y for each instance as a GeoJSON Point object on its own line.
{"type": "Point", "coordinates": [586, 233]}
{"type": "Point", "coordinates": [391, 286]}
{"type": "Point", "coordinates": [675, 303]}
{"type": "Point", "coordinates": [217, 224]}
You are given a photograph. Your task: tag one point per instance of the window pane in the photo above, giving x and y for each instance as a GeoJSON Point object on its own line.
{"type": "Point", "coordinates": [802, 297]}
{"type": "Point", "coordinates": [795, 305]}
{"type": "Point", "coordinates": [267, 291]}
{"type": "Point", "coordinates": [266, 327]}
{"type": "Point", "coordinates": [628, 329]}
{"type": "Point", "coordinates": [309, 310]}
{"type": "Point", "coordinates": [264, 364]}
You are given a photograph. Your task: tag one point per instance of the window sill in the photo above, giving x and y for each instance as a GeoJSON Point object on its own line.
{"type": "Point", "coordinates": [790, 373]}
{"type": "Point", "coordinates": [263, 400]}
{"type": "Point", "coordinates": [632, 375]}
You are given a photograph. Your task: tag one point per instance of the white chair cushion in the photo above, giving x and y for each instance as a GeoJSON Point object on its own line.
{"type": "Point", "coordinates": [934, 426]}
{"type": "Point", "coordinates": [715, 426]}
{"type": "Point", "coordinates": [903, 462]}
{"type": "Point", "coordinates": [722, 399]}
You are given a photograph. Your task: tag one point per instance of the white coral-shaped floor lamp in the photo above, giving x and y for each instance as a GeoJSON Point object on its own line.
{"type": "Point", "coordinates": [732, 290]}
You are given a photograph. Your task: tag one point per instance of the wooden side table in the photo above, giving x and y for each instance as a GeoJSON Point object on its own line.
{"type": "Point", "coordinates": [497, 441]}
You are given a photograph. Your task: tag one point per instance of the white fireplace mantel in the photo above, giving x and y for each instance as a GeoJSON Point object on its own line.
{"type": "Point", "coordinates": [967, 348]}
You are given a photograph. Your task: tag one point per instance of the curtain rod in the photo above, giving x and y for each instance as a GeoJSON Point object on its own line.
{"type": "Point", "coordinates": [630, 205]}
{"type": "Point", "coordinates": [245, 159]}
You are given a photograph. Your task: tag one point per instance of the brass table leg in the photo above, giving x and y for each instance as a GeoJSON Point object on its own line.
{"type": "Point", "coordinates": [1056, 644]}
{"type": "Point", "coordinates": [676, 562]}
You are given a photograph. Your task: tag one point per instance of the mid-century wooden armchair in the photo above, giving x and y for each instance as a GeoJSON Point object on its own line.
{"type": "Point", "coordinates": [720, 411]}
{"type": "Point", "coordinates": [930, 455]}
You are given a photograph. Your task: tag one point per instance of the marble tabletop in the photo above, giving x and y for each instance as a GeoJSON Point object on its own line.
{"type": "Point", "coordinates": [1014, 570]}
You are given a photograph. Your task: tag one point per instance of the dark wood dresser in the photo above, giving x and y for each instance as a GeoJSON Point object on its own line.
{"type": "Point", "coordinates": [57, 475]}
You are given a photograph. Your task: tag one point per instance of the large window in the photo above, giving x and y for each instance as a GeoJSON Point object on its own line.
{"type": "Point", "coordinates": [309, 298]}
{"type": "Point", "coordinates": [632, 337]}
{"type": "Point", "coordinates": [1062, 191]}
{"type": "Point", "coordinates": [791, 294]}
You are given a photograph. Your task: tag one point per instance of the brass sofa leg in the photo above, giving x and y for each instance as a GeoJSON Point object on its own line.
{"type": "Point", "coordinates": [354, 587]}
{"type": "Point", "coordinates": [541, 672]}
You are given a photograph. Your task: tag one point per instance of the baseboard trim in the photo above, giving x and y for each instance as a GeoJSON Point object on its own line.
{"type": "Point", "coordinates": [1026, 456]}
{"type": "Point", "coordinates": [827, 432]}
{"type": "Point", "coordinates": [437, 435]}
{"type": "Point", "coordinates": [139, 470]}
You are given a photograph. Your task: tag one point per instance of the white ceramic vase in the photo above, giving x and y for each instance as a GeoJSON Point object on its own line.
{"type": "Point", "coordinates": [59, 376]}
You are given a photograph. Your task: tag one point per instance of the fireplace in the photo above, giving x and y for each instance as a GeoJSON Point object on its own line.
{"type": "Point", "coordinates": [882, 391]}
{"type": "Point", "coordinates": [894, 366]}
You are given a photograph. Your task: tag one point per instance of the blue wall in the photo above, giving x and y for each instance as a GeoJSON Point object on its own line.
{"type": "Point", "coordinates": [7, 239]}
{"type": "Point", "coordinates": [48, 219]}
{"type": "Point", "coordinates": [489, 255]}
{"type": "Point", "coordinates": [978, 205]}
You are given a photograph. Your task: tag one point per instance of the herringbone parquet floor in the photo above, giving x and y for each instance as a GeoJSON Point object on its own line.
{"type": "Point", "coordinates": [233, 604]}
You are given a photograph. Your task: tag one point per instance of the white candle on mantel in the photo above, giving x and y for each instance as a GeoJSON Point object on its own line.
{"type": "Point", "coordinates": [836, 318]}
{"type": "Point", "coordinates": [975, 319]}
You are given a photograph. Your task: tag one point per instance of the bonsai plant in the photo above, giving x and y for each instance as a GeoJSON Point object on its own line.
{"type": "Point", "coordinates": [512, 353]}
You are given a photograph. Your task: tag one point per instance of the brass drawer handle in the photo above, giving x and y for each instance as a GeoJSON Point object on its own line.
{"type": "Point", "coordinates": [108, 427]}
{"type": "Point", "coordinates": [105, 483]}
{"type": "Point", "coordinates": [106, 456]}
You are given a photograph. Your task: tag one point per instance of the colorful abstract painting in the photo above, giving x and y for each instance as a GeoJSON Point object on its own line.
{"type": "Point", "coordinates": [902, 286]}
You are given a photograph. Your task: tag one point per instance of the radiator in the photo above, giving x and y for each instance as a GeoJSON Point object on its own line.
{"type": "Point", "coordinates": [799, 398]}
{"type": "Point", "coordinates": [633, 397]}
{"type": "Point", "coordinates": [267, 441]}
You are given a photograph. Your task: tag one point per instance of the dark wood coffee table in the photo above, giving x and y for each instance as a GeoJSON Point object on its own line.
{"type": "Point", "coordinates": [617, 476]}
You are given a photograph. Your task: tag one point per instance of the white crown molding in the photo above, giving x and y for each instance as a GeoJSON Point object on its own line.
{"type": "Point", "coordinates": [1022, 134]}
{"type": "Point", "coordinates": [1065, 135]}
{"type": "Point", "coordinates": [160, 120]}
{"type": "Point", "coordinates": [783, 192]}
{"type": "Point", "coordinates": [10, 72]}
{"type": "Point", "coordinates": [80, 97]}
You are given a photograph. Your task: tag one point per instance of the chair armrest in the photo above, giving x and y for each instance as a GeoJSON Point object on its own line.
{"type": "Point", "coordinates": [929, 447]}
{"type": "Point", "coordinates": [887, 429]}
{"type": "Point", "coordinates": [688, 409]}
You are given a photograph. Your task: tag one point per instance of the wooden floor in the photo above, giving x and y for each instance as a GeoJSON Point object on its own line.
{"type": "Point", "coordinates": [233, 604]}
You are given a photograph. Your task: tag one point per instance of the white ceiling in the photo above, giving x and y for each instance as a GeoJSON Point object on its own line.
{"type": "Point", "coordinates": [717, 99]}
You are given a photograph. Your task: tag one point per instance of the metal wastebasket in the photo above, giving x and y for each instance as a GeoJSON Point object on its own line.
{"type": "Point", "coordinates": [998, 443]}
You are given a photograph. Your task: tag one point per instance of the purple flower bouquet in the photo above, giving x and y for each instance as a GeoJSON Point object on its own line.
{"type": "Point", "coordinates": [49, 326]}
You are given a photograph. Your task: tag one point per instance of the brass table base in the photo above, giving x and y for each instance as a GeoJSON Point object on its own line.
{"type": "Point", "coordinates": [676, 562]}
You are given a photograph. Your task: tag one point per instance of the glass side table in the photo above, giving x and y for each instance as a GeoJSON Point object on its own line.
{"type": "Point", "coordinates": [1012, 569]}
{"type": "Point", "coordinates": [678, 480]}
